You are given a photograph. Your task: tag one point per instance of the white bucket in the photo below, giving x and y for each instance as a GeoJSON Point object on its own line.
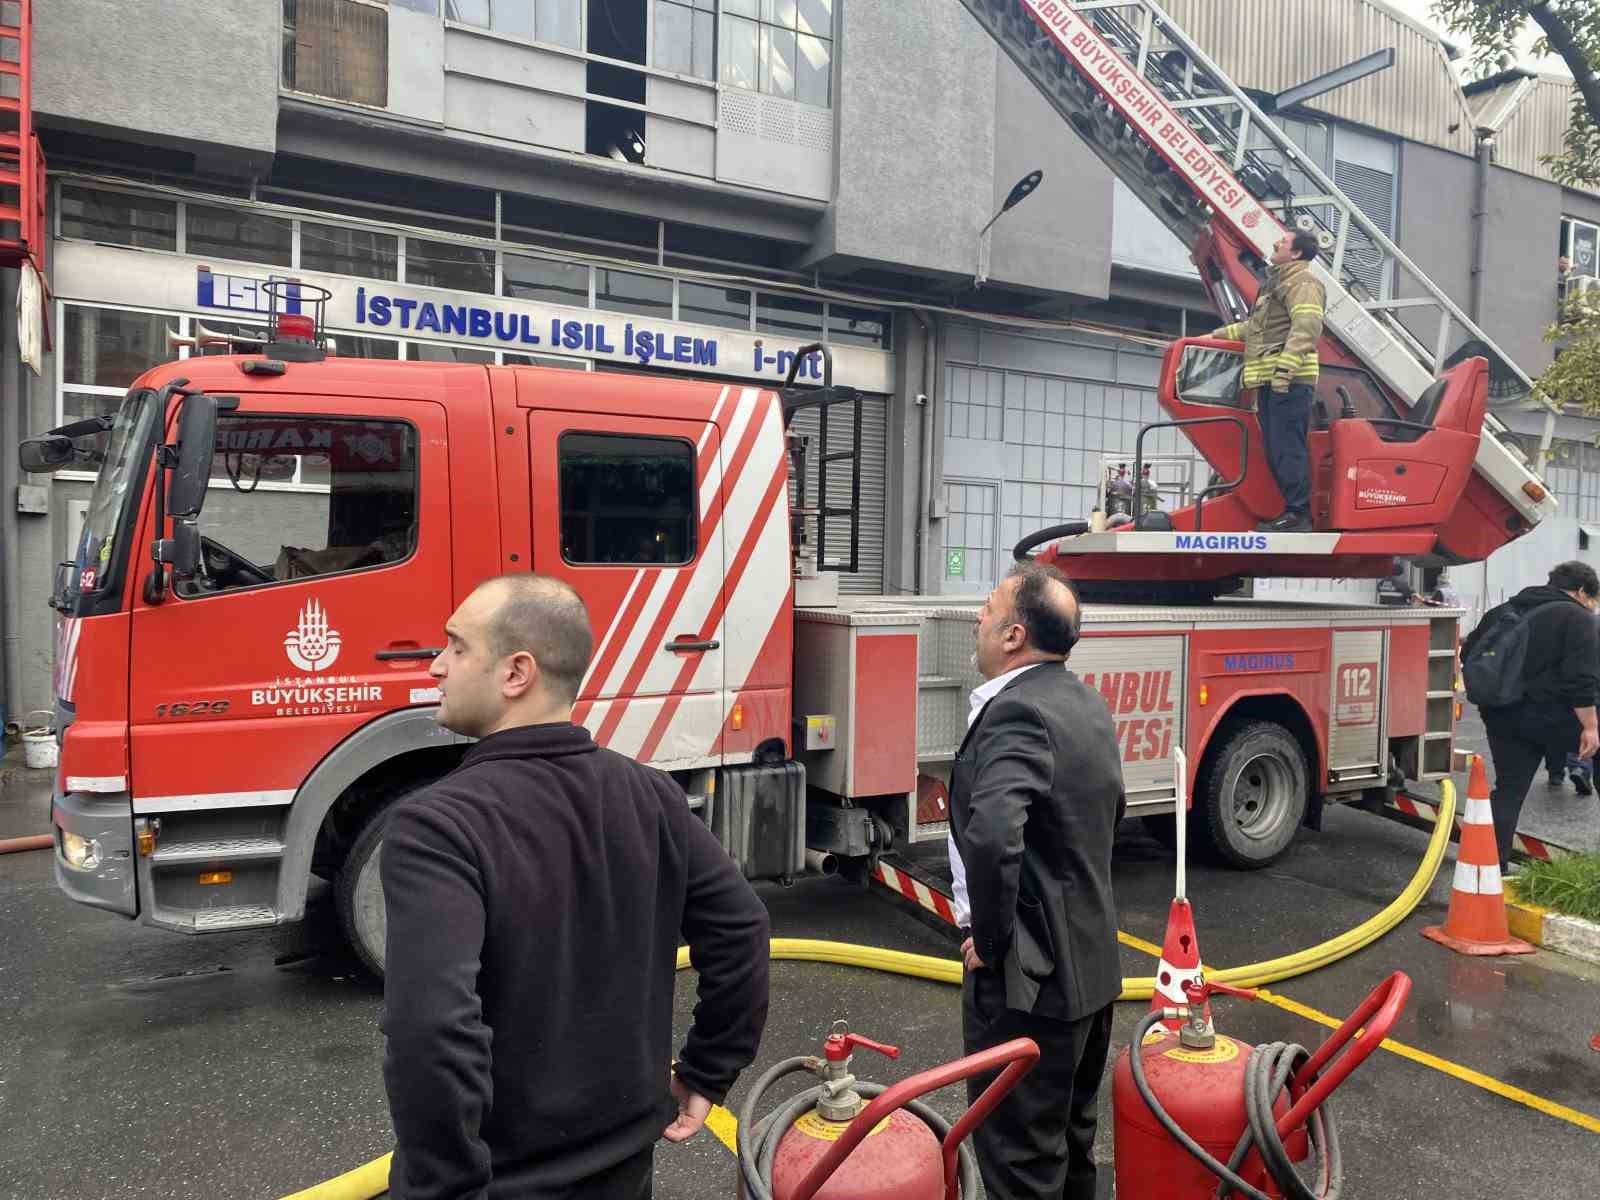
{"type": "Point", "coordinates": [39, 748]}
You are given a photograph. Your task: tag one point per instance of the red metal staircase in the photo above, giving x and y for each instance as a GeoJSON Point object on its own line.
{"type": "Point", "coordinates": [22, 186]}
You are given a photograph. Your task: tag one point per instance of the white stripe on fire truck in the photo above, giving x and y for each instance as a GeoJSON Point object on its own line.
{"type": "Point", "coordinates": [712, 424]}
{"type": "Point", "coordinates": [629, 656]}
{"type": "Point", "coordinates": [616, 617]}
{"type": "Point", "coordinates": [697, 605]}
{"type": "Point", "coordinates": [201, 800]}
{"type": "Point", "coordinates": [764, 470]}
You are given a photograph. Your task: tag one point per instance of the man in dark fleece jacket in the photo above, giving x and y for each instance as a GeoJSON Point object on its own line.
{"type": "Point", "coordinates": [535, 900]}
{"type": "Point", "coordinates": [1560, 680]}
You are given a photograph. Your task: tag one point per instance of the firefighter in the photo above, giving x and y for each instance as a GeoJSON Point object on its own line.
{"type": "Point", "coordinates": [1280, 361]}
{"type": "Point", "coordinates": [536, 897]}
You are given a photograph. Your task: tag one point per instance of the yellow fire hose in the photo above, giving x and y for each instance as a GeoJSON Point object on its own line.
{"type": "Point", "coordinates": [372, 1179]}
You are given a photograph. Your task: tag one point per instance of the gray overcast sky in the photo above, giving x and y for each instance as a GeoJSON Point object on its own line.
{"type": "Point", "coordinates": [1419, 10]}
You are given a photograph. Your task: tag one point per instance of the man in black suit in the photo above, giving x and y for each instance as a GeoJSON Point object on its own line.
{"type": "Point", "coordinates": [1035, 798]}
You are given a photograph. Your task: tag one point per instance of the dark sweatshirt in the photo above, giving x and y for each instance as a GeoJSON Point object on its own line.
{"type": "Point", "coordinates": [1563, 662]}
{"type": "Point", "coordinates": [536, 897]}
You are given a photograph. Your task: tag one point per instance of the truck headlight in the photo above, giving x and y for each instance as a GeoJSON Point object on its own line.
{"type": "Point", "coordinates": [80, 852]}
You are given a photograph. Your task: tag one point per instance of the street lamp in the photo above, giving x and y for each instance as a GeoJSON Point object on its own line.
{"type": "Point", "coordinates": [1020, 191]}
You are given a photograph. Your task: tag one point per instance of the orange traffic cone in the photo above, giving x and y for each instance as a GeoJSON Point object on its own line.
{"type": "Point", "coordinates": [1476, 923]}
{"type": "Point", "coordinates": [1180, 963]}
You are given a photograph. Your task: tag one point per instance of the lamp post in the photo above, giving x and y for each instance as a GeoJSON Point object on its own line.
{"type": "Point", "coordinates": [1020, 191]}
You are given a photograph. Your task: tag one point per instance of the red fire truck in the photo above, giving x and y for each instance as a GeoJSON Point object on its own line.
{"type": "Point", "coordinates": [238, 706]}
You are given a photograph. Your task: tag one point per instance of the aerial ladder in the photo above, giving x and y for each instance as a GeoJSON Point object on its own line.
{"type": "Point", "coordinates": [1407, 460]}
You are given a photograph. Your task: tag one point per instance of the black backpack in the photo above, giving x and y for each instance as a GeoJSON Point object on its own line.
{"type": "Point", "coordinates": [1493, 670]}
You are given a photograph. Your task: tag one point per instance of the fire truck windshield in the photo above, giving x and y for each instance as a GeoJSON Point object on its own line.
{"type": "Point", "coordinates": [101, 549]}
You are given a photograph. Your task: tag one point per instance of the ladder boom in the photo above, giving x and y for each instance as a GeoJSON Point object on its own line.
{"type": "Point", "coordinates": [1205, 159]}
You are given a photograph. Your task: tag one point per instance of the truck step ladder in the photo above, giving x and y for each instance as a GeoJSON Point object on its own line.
{"type": "Point", "coordinates": [1196, 149]}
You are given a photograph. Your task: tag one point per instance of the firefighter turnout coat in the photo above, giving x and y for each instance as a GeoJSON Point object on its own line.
{"type": "Point", "coordinates": [1280, 336]}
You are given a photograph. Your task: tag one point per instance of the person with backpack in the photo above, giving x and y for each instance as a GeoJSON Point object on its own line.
{"type": "Point", "coordinates": [1532, 667]}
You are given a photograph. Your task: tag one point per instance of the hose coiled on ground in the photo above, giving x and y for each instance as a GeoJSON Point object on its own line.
{"type": "Point", "coordinates": [758, 1140]}
{"type": "Point", "coordinates": [1267, 1073]}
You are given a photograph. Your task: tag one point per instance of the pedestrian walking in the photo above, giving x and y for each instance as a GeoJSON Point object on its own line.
{"type": "Point", "coordinates": [1036, 794]}
{"type": "Point", "coordinates": [1564, 766]}
{"type": "Point", "coordinates": [1532, 666]}
{"type": "Point", "coordinates": [1280, 360]}
{"type": "Point", "coordinates": [535, 898]}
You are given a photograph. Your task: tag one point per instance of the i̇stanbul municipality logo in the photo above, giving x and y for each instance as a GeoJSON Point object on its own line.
{"type": "Point", "coordinates": [311, 645]}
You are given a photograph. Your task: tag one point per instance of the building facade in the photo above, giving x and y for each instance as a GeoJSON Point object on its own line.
{"type": "Point", "coordinates": [701, 187]}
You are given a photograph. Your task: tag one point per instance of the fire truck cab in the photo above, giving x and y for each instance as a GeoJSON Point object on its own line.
{"type": "Point", "coordinates": [238, 698]}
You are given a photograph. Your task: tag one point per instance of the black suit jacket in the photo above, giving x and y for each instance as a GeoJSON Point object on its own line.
{"type": "Point", "coordinates": [1035, 797]}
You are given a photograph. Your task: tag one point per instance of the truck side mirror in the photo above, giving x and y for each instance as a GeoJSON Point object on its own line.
{"type": "Point", "coordinates": [183, 551]}
{"type": "Point", "coordinates": [197, 444]}
{"type": "Point", "coordinates": [45, 455]}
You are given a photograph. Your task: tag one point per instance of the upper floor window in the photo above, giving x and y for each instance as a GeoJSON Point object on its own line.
{"type": "Point", "coordinates": [781, 47]}
{"type": "Point", "coordinates": [685, 36]}
{"type": "Point", "coordinates": [556, 21]}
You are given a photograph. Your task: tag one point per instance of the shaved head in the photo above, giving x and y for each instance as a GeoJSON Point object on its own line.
{"type": "Point", "coordinates": [546, 618]}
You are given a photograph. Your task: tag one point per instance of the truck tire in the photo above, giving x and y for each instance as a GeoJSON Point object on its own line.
{"type": "Point", "coordinates": [1252, 794]}
{"type": "Point", "coordinates": [359, 895]}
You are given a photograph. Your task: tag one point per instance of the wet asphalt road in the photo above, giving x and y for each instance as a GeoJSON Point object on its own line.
{"type": "Point", "coordinates": [135, 1062]}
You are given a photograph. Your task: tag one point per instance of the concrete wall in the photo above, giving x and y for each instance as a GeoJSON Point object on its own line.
{"type": "Point", "coordinates": [1520, 283]}
{"type": "Point", "coordinates": [915, 110]}
{"type": "Point", "coordinates": [934, 127]}
{"type": "Point", "coordinates": [203, 78]}
{"type": "Point", "coordinates": [1060, 239]}
{"type": "Point", "coordinates": [1437, 192]}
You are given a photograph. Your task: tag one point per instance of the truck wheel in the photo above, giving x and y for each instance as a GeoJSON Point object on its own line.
{"type": "Point", "coordinates": [1253, 794]}
{"type": "Point", "coordinates": [359, 895]}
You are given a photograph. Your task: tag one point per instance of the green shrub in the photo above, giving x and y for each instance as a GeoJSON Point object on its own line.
{"type": "Point", "coordinates": [1570, 885]}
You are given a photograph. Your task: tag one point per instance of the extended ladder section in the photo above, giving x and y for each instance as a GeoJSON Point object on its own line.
{"type": "Point", "coordinates": [1209, 163]}
{"type": "Point", "coordinates": [22, 189]}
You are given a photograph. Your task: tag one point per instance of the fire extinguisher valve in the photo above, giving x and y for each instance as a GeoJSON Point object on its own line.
{"type": "Point", "coordinates": [1198, 1033]}
{"type": "Point", "coordinates": [837, 1099]}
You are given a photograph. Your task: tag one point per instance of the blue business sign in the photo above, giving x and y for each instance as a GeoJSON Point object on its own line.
{"type": "Point", "coordinates": [504, 327]}
{"type": "Point", "coordinates": [241, 293]}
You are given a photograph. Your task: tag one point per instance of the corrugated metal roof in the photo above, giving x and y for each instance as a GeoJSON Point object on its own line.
{"type": "Point", "coordinates": [1536, 127]}
{"type": "Point", "coordinates": [1273, 45]}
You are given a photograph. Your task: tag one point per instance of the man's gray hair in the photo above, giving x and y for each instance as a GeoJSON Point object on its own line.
{"type": "Point", "coordinates": [548, 619]}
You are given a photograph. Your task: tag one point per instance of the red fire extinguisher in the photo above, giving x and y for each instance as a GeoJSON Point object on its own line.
{"type": "Point", "coordinates": [1194, 1107]}
{"type": "Point", "coordinates": [831, 1143]}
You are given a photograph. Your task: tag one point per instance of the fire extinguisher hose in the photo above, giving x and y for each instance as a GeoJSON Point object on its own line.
{"type": "Point", "coordinates": [758, 1139]}
{"type": "Point", "coordinates": [1267, 1074]}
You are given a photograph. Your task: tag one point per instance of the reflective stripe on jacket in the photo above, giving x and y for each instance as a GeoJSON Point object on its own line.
{"type": "Point", "coordinates": [1280, 336]}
